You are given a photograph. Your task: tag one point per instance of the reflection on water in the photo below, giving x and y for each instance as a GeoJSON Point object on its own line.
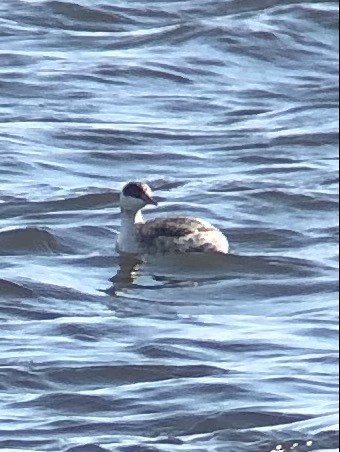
{"type": "Point", "coordinates": [162, 271]}
{"type": "Point", "coordinates": [127, 273]}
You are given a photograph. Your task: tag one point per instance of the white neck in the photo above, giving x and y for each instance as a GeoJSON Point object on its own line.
{"type": "Point", "coordinates": [131, 217]}
{"type": "Point", "coordinates": [127, 239]}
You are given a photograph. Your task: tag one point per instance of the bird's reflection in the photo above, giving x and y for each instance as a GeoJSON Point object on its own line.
{"type": "Point", "coordinates": [178, 271]}
{"type": "Point", "coordinates": [127, 273]}
{"type": "Point", "coordinates": [130, 270]}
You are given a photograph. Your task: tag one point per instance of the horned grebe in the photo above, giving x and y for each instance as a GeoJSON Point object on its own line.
{"type": "Point", "coordinates": [162, 235]}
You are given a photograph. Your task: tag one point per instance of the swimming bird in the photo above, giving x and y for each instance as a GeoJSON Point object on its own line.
{"type": "Point", "coordinates": [162, 235]}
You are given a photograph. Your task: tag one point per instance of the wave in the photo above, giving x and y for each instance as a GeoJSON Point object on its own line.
{"type": "Point", "coordinates": [232, 265]}
{"type": "Point", "coordinates": [317, 202]}
{"type": "Point", "coordinates": [28, 240]}
{"type": "Point", "coordinates": [88, 201]}
{"type": "Point", "coordinates": [11, 289]}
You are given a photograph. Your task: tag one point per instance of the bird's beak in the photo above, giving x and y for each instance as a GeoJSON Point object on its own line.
{"type": "Point", "coordinates": [149, 200]}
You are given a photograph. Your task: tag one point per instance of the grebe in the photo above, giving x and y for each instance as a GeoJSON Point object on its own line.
{"type": "Point", "coordinates": [162, 235]}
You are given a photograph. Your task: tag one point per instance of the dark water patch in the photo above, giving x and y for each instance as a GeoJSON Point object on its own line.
{"type": "Point", "coordinates": [177, 425]}
{"type": "Point", "coordinates": [188, 70]}
{"type": "Point", "coordinates": [123, 374]}
{"type": "Point", "coordinates": [15, 60]}
{"type": "Point", "coordinates": [231, 346]}
{"type": "Point", "coordinates": [286, 289]}
{"type": "Point", "coordinates": [322, 16]}
{"type": "Point", "coordinates": [135, 135]}
{"type": "Point", "coordinates": [26, 312]}
{"type": "Point", "coordinates": [260, 96]}
{"type": "Point", "coordinates": [179, 349]}
{"type": "Point", "coordinates": [64, 15]}
{"type": "Point", "coordinates": [236, 420]}
{"type": "Point", "coordinates": [74, 403]}
{"type": "Point", "coordinates": [76, 13]}
{"type": "Point", "coordinates": [11, 289]}
{"type": "Point", "coordinates": [268, 160]}
{"type": "Point", "coordinates": [242, 114]}
{"type": "Point", "coordinates": [123, 36]}
{"type": "Point", "coordinates": [331, 359]}
{"type": "Point", "coordinates": [199, 289]}
{"type": "Point", "coordinates": [87, 448]}
{"type": "Point", "coordinates": [231, 266]}
{"type": "Point", "coordinates": [84, 333]}
{"type": "Point", "coordinates": [281, 170]}
{"type": "Point", "coordinates": [160, 73]}
{"type": "Point", "coordinates": [46, 296]}
{"type": "Point", "coordinates": [307, 139]}
{"type": "Point", "coordinates": [14, 165]}
{"type": "Point", "coordinates": [161, 351]}
{"type": "Point", "coordinates": [10, 198]}
{"type": "Point", "coordinates": [234, 186]}
{"type": "Point", "coordinates": [86, 201]}
{"type": "Point", "coordinates": [164, 184]}
{"type": "Point", "coordinates": [301, 382]}
{"type": "Point", "coordinates": [98, 136]}
{"type": "Point", "coordinates": [113, 138]}
{"type": "Point", "coordinates": [146, 13]}
{"type": "Point", "coordinates": [14, 377]}
{"type": "Point", "coordinates": [28, 240]}
{"type": "Point", "coordinates": [99, 261]}
{"type": "Point", "coordinates": [143, 156]}
{"type": "Point", "coordinates": [170, 440]}
{"type": "Point", "coordinates": [298, 200]}
{"type": "Point", "coordinates": [190, 106]}
{"type": "Point", "coordinates": [282, 51]}
{"type": "Point", "coordinates": [24, 90]}
{"type": "Point", "coordinates": [175, 34]}
{"type": "Point", "coordinates": [54, 292]}
{"type": "Point", "coordinates": [90, 201]}
{"type": "Point", "coordinates": [267, 238]}
{"type": "Point", "coordinates": [77, 239]}
{"type": "Point", "coordinates": [139, 448]}
{"type": "Point", "coordinates": [331, 232]}
{"type": "Point", "coordinates": [330, 181]}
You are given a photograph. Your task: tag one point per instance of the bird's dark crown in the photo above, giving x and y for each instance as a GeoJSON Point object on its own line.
{"type": "Point", "coordinates": [134, 189]}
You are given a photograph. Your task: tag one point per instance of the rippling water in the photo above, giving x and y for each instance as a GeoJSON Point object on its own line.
{"type": "Point", "coordinates": [229, 110]}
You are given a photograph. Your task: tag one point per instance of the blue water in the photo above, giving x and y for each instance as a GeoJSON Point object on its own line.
{"type": "Point", "coordinates": [228, 109]}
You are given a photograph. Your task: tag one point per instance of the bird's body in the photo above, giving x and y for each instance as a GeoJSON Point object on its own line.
{"type": "Point", "coordinates": [163, 235]}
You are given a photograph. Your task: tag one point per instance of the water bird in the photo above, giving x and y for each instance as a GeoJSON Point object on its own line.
{"type": "Point", "coordinates": [163, 235]}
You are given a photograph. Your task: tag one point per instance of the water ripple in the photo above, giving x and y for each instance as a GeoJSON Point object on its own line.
{"type": "Point", "coordinates": [228, 110]}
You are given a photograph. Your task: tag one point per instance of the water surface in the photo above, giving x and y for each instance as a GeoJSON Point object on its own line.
{"type": "Point", "coordinates": [229, 110]}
